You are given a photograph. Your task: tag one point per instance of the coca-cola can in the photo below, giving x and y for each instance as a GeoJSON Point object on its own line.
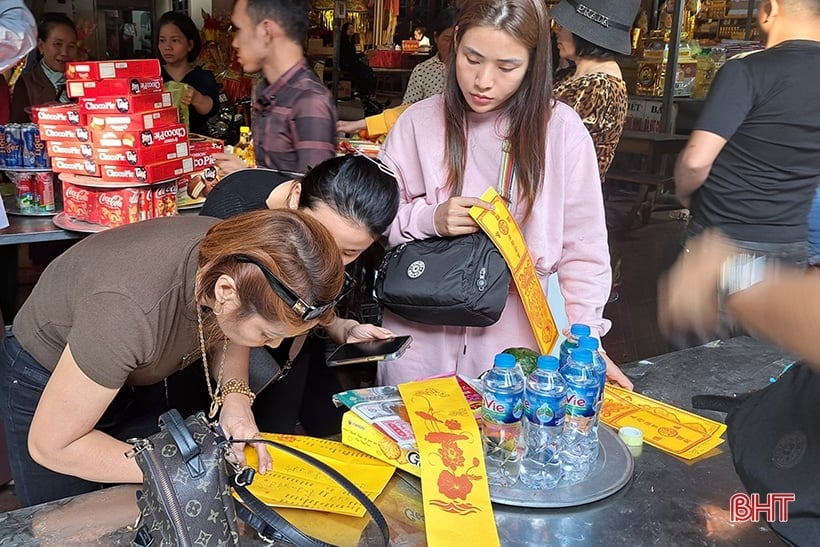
{"type": "Point", "coordinates": [146, 203]}
{"type": "Point", "coordinates": [44, 191]}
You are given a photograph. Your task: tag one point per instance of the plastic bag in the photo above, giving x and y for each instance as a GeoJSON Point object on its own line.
{"type": "Point", "coordinates": [18, 32]}
{"type": "Point", "coordinates": [178, 89]}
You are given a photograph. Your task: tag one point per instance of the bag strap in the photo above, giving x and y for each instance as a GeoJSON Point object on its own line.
{"type": "Point", "coordinates": [272, 526]}
{"type": "Point", "coordinates": [188, 447]}
{"type": "Point", "coordinates": [506, 174]}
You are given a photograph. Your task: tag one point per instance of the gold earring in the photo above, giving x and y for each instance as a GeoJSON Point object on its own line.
{"type": "Point", "coordinates": [221, 304]}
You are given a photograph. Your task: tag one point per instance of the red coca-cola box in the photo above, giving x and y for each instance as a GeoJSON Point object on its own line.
{"type": "Point", "coordinates": [141, 155]}
{"type": "Point", "coordinates": [116, 87]}
{"type": "Point", "coordinates": [49, 132]}
{"type": "Point", "coordinates": [70, 149]}
{"type": "Point", "coordinates": [104, 70]}
{"type": "Point", "coordinates": [146, 203]}
{"type": "Point", "coordinates": [76, 201]}
{"type": "Point", "coordinates": [147, 174]}
{"type": "Point", "coordinates": [118, 207]}
{"type": "Point", "coordinates": [58, 114]}
{"type": "Point", "coordinates": [134, 122]}
{"type": "Point", "coordinates": [165, 199]}
{"type": "Point", "coordinates": [76, 166]}
{"type": "Point", "coordinates": [133, 104]}
{"type": "Point", "coordinates": [169, 134]}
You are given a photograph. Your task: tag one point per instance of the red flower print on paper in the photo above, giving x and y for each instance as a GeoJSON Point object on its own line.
{"type": "Point", "coordinates": [451, 455]}
{"type": "Point", "coordinates": [454, 487]}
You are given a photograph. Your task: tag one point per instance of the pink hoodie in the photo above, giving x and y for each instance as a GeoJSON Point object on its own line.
{"type": "Point", "coordinates": [566, 231]}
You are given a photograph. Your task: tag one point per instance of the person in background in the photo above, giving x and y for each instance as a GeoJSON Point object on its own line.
{"type": "Point", "coordinates": [448, 149]}
{"type": "Point", "coordinates": [361, 75]}
{"type": "Point", "coordinates": [418, 34]}
{"type": "Point", "coordinates": [294, 114]}
{"type": "Point", "coordinates": [57, 45]}
{"type": "Point", "coordinates": [594, 87]}
{"type": "Point", "coordinates": [84, 365]}
{"type": "Point", "coordinates": [178, 45]}
{"type": "Point", "coordinates": [356, 198]}
{"type": "Point", "coordinates": [751, 166]}
{"type": "Point", "coordinates": [426, 80]}
{"type": "Point", "coordinates": [18, 32]}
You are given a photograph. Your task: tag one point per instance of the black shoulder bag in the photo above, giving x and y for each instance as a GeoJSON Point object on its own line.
{"type": "Point", "coordinates": [188, 479]}
{"type": "Point", "coordinates": [774, 435]}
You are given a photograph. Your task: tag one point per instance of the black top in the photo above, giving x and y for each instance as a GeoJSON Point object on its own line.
{"type": "Point", "coordinates": [762, 183]}
{"type": "Point", "coordinates": [242, 191]}
{"type": "Point", "coordinates": [203, 81]}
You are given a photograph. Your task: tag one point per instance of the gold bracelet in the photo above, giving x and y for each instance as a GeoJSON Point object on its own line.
{"type": "Point", "coordinates": [234, 385]}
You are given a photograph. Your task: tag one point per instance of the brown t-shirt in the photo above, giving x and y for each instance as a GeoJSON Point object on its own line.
{"type": "Point", "coordinates": [122, 300]}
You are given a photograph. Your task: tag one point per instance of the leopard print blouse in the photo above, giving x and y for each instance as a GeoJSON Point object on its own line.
{"type": "Point", "coordinates": [601, 101]}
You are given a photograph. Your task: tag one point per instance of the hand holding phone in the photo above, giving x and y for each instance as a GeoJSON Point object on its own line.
{"type": "Point", "coordinates": [385, 349]}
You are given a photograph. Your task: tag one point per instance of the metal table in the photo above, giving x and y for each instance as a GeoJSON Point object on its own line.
{"type": "Point", "coordinates": [667, 502]}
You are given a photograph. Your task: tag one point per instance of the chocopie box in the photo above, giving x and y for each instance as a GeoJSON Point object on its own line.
{"type": "Point", "coordinates": [104, 70]}
{"type": "Point", "coordinates": [76, 166]}
{"type": "Point", "coordinates": [140, 155]}
{"type": "Point", "coordinates": [76, 201]}
{"type": "Point", "coordinates": [201, 149]}
{"type": "Point", "coordinates": [147, 174]}
{"type": "Point", "coordinates": [49, 132]}
{"type": "Point", "coordinates": [118, 207]}
{"type": "Point", "coordinates": [116, 87]}
{"type": "Point", "coordinates": [70, 149]}
{"type": "Point", "coordinates": [126, 104]}
{"type": "Point", "coordinates": [58, 114]}
{"type": "Point", "coordinates": [168, 134]}
{"type": "Point", "coordinates": [136, 121]}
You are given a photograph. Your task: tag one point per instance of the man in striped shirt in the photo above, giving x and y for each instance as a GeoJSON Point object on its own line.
{"type": "Point", "coordinates": [294, 115]}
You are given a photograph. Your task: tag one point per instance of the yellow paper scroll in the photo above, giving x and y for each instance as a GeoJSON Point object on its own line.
{"type": "Point", "coordinates": [671, 429]}
{"type": "Point", "coordinates": [295, 483]}
{"type": "Point", "coordinates": [455, 492]}
{"type": "Point", "coordinates": [501, 227]}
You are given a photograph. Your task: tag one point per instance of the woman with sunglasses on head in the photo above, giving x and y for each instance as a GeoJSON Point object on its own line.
{"type": "Point", "coordinates": [448, 149]}
{"type": "Point", "coordinates": [356, 198]}
{"type": "Point", "coordinates": [84, 365]}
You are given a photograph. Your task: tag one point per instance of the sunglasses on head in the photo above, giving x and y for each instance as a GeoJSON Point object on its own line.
{"type": "Point", "coordinates": [304, 310]}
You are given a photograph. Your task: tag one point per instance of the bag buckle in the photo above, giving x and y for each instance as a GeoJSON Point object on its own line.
{"type": "Point", "coordinates": [140, 445]}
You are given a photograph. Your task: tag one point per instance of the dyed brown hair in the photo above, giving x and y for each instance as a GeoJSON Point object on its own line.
{"type": "Point", "coordinates": [528, 110]}
{"type": "Point", "coordinates": [292, 245]}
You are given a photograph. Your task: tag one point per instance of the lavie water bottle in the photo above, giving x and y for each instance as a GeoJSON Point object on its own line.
{"type": "Point", "coordinates": [501, 411]}
{"type": "Point", "coordinates": [544, 401]}
{"type": "Point", "coordinates": [579, 434]}
{"type": "Point", "coordinates": [576, 331]}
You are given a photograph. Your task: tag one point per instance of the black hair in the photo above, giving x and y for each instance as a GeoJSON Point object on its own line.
{"type": "Point", "coordinates": [355, 187]}
{"type": "Point", "coordinates": [51, 20]}
{"type": "Point", "coordinates": [584, 49]}
{"type": "Point", "coordinates": [187, 26]}
{"type": "Point", "coordinates": [445, 19]}
{"type": "Point", "coordinates": [291, 15]}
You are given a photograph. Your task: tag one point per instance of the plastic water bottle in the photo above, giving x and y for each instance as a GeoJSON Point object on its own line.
{"type": "Point", "coordinates": [501, 410]}
{"type": "Point", "coordinates": [544, 401]}
{"type": "Point", "coordinates": [579, 436]}
{"type": "Point", "coordinates": [575, 331]}
{"type": "Point", "coordinates": [598, 363]}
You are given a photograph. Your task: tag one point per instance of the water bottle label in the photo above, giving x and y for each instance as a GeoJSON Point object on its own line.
{"type": "Point", "coordinates": [581, 400]}
{"type": "Point", "coordinates": [545, 410]}
{"type": "Point", "coordinates": [502, 408]}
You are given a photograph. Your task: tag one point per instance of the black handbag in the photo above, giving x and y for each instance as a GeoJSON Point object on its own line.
{"type": "Point", "coordinates": [188, 480]}
{"type": "Point", "coordinates": [460, 281]}
{"type": "Point", "coordinates": [775, 440]}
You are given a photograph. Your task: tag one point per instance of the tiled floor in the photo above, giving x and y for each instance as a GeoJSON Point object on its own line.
{"type": "Point", "coordinates": [645, 252]}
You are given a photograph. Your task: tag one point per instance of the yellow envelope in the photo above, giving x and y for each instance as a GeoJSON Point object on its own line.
{"type": "Point", "coordinates": [673, 430]}
{"type": "Point", "coordinates": [295, 483]}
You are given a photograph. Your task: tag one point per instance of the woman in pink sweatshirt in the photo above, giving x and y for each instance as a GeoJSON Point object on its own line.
{"type": "Point", "coordinates": [447, 150]}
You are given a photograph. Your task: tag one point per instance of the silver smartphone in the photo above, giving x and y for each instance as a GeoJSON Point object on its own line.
{"type": "Point", "coordinates": [371, 350]}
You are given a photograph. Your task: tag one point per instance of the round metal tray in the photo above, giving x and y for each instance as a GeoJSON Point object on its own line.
{"type": "Point", "coordinates": [61, 220]}
{"type": "Point", "coordinates": [611, 472]}
{"type": "Point", "coordinates": [25, 169]}
{"type": "Point", "coordinates": [97, 182]}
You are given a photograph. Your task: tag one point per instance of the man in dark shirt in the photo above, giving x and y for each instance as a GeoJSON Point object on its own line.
{"type": "Point", "coordinates": [294, 115]}
{"type": "Point", "coordinates": [752, 164]}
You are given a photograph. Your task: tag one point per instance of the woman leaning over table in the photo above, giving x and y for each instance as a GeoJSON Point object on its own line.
{"type": "Point", "coordinates": [56, 45]}
{"type": "Point", "coordinates": [82, 369]}
{"type": "Point", "coordinates": [447, 150]}
{"type": "Point", "coordinates": [594, 87]}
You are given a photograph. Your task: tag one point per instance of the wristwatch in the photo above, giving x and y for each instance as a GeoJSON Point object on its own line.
{"type": "Point", "coordinates": [739, 272]}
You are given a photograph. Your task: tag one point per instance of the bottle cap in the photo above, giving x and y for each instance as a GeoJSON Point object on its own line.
{"type": "Point", "coordinates": [588, 342]}
{"type": "Point", "coordinates": [631, 436]}
{"type": "Point", "coordinates": [581, 356]}
{"type": "Point", "coordinates": [504, 360]}
{"type": "Point", "coordinates": [547, 362]}
{"type": "Point", "coordinates": [579, 329]}
{"type": "Point", "coordinates": [244, 129]}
